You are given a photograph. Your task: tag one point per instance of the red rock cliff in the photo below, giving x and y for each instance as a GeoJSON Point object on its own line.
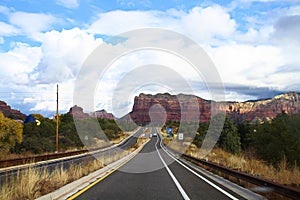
{"type": "Point", "coordinates": [11, 113]}
{"type": "Point", "coordinates": [237, 111]}
{"type": "Point", "coordinates": [103, 114]}
{"type": "Point", "coordinates": [78, 112]}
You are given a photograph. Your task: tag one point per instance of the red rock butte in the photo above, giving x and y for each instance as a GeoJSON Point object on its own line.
{"type": "Point", "coordinates": [237, 111]}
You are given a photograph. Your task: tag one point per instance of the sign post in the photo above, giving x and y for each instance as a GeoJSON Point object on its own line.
{"type": "Point", "coordinates": [180, 136]}
{"type": "Point", "coordinates": [57, 118]}
{"type": "Point", "coordinates": [169, 132]}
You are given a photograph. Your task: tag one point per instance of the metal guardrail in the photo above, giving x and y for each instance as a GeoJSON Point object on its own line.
{"type": "Point", "coordinates": [30, 159]}
{"type": "Point", "coordinates": [277, 188]}
{"type": "Point", "coordinates": [45, 157]}
{"type": "Point", "coordinates": [66, 159]}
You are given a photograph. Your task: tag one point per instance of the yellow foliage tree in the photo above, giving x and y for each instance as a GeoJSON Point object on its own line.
{"type": "Point", "coordinates": [11, 132]}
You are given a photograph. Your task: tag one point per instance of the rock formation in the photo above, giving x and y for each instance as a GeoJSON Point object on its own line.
{"type": "Point", "coordinates": [103, 114]}
{"type": "Point", "coordinates": [11, 113]}
{"type": "Point", "coordinates": [78, 112]}
{"type": "Point", "coordinates": [237, 111]}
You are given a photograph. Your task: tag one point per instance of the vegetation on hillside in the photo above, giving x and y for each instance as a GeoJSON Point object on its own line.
{"type": "Point", "coordinates": [274, 141]}
{"type": "Point", "coordinates": [277, 140]}
{"type": "Point", "coordinates": [30, 138]}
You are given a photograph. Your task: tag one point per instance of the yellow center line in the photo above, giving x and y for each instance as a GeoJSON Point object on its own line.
{"type": "Point", "coordinates": [100, 179]}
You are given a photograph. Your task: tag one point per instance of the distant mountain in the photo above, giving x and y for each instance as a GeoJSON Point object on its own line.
{"type": "Point", "coordinates": [78, 112]}
{"type": "Point", "coordinates": [9, 112]}
{"type": "Point", "coordinates": [103, 114]}
{"type": "Point", "coordinates": [238, 111]}
{"type": "Point", "coordinates": [266, 108]}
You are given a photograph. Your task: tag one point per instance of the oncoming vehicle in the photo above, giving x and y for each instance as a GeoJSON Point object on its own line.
{"type": "Point", "coordinates": [154, 134]}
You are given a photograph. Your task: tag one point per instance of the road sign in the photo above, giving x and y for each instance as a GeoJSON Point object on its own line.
{"type": "Point", "coordinates": [169, 130]}
{"type": "Point", "coordinates": [180, 136]}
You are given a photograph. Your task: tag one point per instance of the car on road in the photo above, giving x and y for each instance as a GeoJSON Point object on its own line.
{"type": "Point", "coordinates": [154, 134]}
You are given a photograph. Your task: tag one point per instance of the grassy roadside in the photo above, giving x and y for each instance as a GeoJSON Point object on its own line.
{"type": "Point", "coordinates": [247, 163]}
{"type": "Point", "coordinates": [8, 156]}
{"type": "Point", "coordinates": [33, 183]}
{"type": "Point", "coordinates": [121, 137]}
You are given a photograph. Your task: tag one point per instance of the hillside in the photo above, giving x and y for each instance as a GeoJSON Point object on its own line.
{"type": "Point", "coordinates": [237, 111]}
{"type": "Point", "coordinates": [9, 112]}
{"type": "Point", "coordinates": [78, 112]}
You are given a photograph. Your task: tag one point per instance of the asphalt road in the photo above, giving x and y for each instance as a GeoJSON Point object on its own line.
{"type": "Point", "coordinates": [154, 174]}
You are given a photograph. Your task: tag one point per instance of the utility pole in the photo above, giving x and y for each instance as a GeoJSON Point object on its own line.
{"type": "Point", "coordinates": [57, 117]}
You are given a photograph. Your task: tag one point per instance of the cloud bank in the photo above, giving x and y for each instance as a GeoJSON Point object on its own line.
{"type": "Point", "coordinates": [256, 51]}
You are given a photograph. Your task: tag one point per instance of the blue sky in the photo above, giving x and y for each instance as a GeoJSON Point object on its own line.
{"type": "Point", "coordinates": [254, 44]}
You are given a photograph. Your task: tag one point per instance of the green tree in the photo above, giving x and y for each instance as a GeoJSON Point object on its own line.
{"type": "Point", "coordinates": [278, 139]}
{"type": "Point", "coordinates": [10, 133]}
{"type": "Point", "coordinates": [68, 133]}
{"type": "Point", "coordinates": [230, 139]}
{"type": "Point", "coordinates": [201, 132]}
{"type": "Point", "coordinates": [245, 129]}
{"type": "Point", "coordinates": [37, 139]}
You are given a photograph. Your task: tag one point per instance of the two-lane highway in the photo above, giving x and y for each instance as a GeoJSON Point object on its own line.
{"type": "Point", "coordinates": [154, 174]}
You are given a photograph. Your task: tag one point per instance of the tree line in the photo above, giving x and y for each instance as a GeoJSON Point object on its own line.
{"type": "Point", "coordinates": [270, 140]}
{"type": "Point", "coordinates": [16, 137]}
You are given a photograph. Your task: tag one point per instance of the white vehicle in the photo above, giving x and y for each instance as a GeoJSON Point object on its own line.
{"type": "Point", "coordinates": [154, 134]}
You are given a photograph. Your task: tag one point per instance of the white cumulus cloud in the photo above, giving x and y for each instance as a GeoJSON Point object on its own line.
{"type": "Point", "coordinates": [254, 66]}
{"type": "Point", "coordinates": [7, 29]}
{"type": "Point", "coordinates": [201, 24]}
{"type": "Point", "coordinates": [17, 65]}
{"type": "Point", "coordinates": [33, 72]}
{"type": "Point", "coordinates": [205, 23]}
{"type": "Point", "coordinates": [263, 55]}
{"type": "Point", "coordinates": [32, 24]}
{"type": "Point", "coordinates": [63, 54]}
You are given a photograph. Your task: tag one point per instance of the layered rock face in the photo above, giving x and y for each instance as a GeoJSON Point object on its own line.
{"type": "Point", "coordinates": [177, 107]}
{"type": "Point", "coordinates": [103, 114]}
{"type": "Point", "coordinates": [265, 109]}
{"type": "Point", "coordinates": [185, 107]}
{"type": "Point", "coordinates": [11, 113]}
{"type": "Point", "coordinates": [78, 112]}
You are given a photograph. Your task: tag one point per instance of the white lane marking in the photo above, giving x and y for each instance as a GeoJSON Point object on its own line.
{"type": "Point", "coordinates": [181, 190]}
{"type": "Point", "coordinates": [195, 173]}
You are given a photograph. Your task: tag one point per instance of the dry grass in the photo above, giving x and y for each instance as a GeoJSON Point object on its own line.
{"type": "Point", "coordinates": [140, 141]}
{"type": "Point", "coordinates": [24, 185]}
{"type": "Point", "coordinates": [250, 165]}
{"type": "Point", "coordinates": [121, 137]}
{"type": "Point", "coordinates": [33, 182]}
{"type": "Point", "coordinates": [7, 156]}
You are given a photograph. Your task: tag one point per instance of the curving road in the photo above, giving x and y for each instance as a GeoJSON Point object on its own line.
{"type": "Point", "coordinates": [155, 174]}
